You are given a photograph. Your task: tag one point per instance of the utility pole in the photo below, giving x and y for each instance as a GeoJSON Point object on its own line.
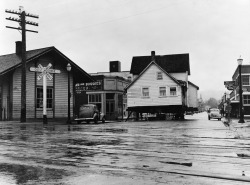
{"type": "Point", "coordinates": [22, 22]}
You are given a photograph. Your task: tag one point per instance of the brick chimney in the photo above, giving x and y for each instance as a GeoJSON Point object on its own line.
{"type": "Point", "coordinates": [19, 48]}
{"type": "Point", "coordinates": [114, 66]}
{"type": "Point", "coordinates": [152, 55]}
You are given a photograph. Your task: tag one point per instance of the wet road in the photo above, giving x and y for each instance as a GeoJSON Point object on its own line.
{"type": "Point", "coordinates": [194, 151]}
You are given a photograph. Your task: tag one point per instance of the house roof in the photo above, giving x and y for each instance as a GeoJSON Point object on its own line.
{"type": "Point", "coordinates": [11, 61]}
{"type": "Point", "coordinates": [176, 63]}
{"type": "Point", "coordinates": [193, 85]}
{"type": "Point", "coordinates": [145, 69]}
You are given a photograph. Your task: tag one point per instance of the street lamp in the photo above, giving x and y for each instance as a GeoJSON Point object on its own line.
{"type": "Point", "coordinates": [68, 69]}
{"type": "Point", "coordinates": [240, 60]}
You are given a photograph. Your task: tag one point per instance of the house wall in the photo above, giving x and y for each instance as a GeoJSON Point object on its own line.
{"type": "Point", "coordinates": [180, 76]}
{"type": "Point", "coordinates": [59, 83]}
{"type": "Point", "coordinates": [5, 99]}
{"type": "Point", "coordinates": [148, 79]}
{"type": "Point", "coordinates": [192, 96]}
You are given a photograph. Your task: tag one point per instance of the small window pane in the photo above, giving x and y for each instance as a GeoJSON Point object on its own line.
{"type": "Point", "coordinates": [162, 91]}
{"type": "Point", "coordinates": [245, 80]}
{"type": "Point", "coordinates": [172, 91]}
{"type": "Point", "coordinates": [159, 75]}
{"type": "Point", "coordinates": [145, 92]}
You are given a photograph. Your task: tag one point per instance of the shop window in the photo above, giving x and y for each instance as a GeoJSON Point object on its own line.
{"type": "Point", "coordinates": [173, 91]}
{"type": "Point", "coordinates": [95, 98]}
{"type": "Point", "coordinates": [39, 97]}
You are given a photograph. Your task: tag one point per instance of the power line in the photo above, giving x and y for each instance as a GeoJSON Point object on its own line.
{"type": "Point", "coordinates": [22, 22]}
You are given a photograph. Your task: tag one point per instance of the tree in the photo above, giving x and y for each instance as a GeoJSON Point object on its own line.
{"type": "Point", "coordinates": [212, 102]}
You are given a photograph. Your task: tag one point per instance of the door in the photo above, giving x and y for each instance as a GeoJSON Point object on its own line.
{"type": "Point", "coordinates": [110, 110]}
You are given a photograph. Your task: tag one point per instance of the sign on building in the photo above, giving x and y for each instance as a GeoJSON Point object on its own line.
{"type": "Point", "coordinates": [230, 85]}
{"type": "Point", "coordinates": [91, 86]}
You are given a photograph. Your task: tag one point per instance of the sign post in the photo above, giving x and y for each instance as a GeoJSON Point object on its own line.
{"type": "Point", "coordinates": [45, 72]}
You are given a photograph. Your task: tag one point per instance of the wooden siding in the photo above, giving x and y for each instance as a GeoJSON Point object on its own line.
{"type": "Point", "coordinates": [192, 96]}
{"type": "Point", "coordinates": [148, 79]}
{"type": "Point", "coordinates": [5, 99]}
{"type": "Point", "coordinates": [16, 111]}
{"type": "Point", "coordinates": [60, 89]}
{"type": "Point", "coordinates": [61, 93]}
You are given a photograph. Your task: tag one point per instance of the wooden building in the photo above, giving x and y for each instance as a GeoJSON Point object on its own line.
{"type": "Point", "coordinates": [234, 94]}
{"type": "Point", "coordinates": [160, 85]}
{"type": "Point", "coordinates": [57, 88]}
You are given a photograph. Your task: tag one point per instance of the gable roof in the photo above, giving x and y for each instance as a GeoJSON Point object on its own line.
{"type": "Point", "coordinates": [177, 63]}
{"type": "Point", "coordinates": [13, 61]}
{"type": "Point", "coordinates": [193, 85]}
{"type": "Point", "coordinates": [151, 63]}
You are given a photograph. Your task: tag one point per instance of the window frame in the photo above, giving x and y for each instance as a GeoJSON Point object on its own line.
{"type": "Point", "coordinates": [164, 95]}
{"type": "Point", "coordinates": [246, 101]}
{"type": "Point", "coordinates": [50, 98]}
{"type": "Point", "coordinates": [143, 92]}
{"type": "Point", "coordinates": [96, 97]}
{"type": "Point", "coordinates": [248, 77]}
{"type": "Point", "coordinates": [171, 91]}
{"type": "Point", "coordinates": [159, 75]}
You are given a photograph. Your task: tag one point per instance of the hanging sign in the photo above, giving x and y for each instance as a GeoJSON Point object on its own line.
{"type": "Point", "coordinates": [230, 85]}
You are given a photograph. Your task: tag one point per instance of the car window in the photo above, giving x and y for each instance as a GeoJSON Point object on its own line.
{"type": "Point", "coordinates": [214, 110]}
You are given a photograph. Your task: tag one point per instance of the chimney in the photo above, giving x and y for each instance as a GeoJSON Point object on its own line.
{"type": "Point", "coordinates": [114, 66]}
{"type": "Point", "coordinates": [19, 48]}
{"type": "Point", "coordinates": [152, 55]}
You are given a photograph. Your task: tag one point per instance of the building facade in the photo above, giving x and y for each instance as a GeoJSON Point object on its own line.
{"type": "Point", "coordinates": [107, 92]}
{"type": "Point", "coordinates": [160, 85]}
{"type": "Point", "coordinates": [234, 95]}
{"type": "Point", "coordinates": [57, 87]}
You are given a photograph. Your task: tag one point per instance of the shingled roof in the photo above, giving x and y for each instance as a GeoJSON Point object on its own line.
{"type": "Point", "coordinates": [8, 62]}
{"type": "Point", "coordinates": [12, 61]}
{"type": "Point", "coordinates": [177, 63]}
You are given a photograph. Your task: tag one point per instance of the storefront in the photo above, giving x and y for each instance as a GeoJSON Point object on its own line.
{"type": "Point", "coordinates": [107, 93]}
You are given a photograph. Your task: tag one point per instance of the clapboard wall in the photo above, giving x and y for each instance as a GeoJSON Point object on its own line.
{"type": "Point", "coordinates": [59, 84]}
{"type": "Point", "coordinates": [149, 79]}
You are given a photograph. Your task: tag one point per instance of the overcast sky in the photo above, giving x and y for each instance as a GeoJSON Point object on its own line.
{"type": "Point", "coordinates": [93, 32]}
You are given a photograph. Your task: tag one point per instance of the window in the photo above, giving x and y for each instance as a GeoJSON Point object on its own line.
{"type": "Point", "coordinates": [245, 80]}
{"type": "Point", "coordinates": [159, 76]}
{"type": "Point", "coordinates": [246, 99]}
{"type": "Point", "coordinates": [95, 98]}
{"type": "Point", "coordinates": [39, 97]}
{"type": "Point", "coordinates": [145, 92]}
{"type": "Point", "coordinates": [162, 91]}
{"type": "Point", "coordinates": [172, 91]}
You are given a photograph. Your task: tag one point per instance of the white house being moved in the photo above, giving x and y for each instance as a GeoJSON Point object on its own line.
{"type": "Point", "coordinates": [160, 85]}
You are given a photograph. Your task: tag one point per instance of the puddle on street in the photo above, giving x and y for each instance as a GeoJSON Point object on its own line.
{"type": "Point", "coordinates": [113, 130]}
{"type": "Point", "coordinates": [22, 174]}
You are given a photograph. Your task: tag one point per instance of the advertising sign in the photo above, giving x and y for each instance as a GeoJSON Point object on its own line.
{"type": "Point", "coordinates": [230, 85]}
{"type": "Point", "coordinates": [91, 86]}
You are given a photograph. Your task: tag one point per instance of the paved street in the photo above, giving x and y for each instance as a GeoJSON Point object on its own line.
{"type": "Point", "coordinates": [194, 151]}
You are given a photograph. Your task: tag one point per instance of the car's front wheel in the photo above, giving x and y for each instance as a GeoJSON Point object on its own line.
{"type": "Point", "coordinates": [103, 120]}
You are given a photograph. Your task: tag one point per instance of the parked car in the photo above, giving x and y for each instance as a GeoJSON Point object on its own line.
{"type": "Point", "coordinates": [90, 112]}
{"type": "Point", "coordinates": [214, 113]}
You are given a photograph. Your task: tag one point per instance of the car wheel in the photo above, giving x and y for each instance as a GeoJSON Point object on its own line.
{"type": "Point", "coordinates": [209, 118]}
{"type": "Point", "coordinates": [219, 119]}
{"type": "Point", "coordinates": [103, 120]}
{"type": "Point", "coordinates": [96, 120]}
